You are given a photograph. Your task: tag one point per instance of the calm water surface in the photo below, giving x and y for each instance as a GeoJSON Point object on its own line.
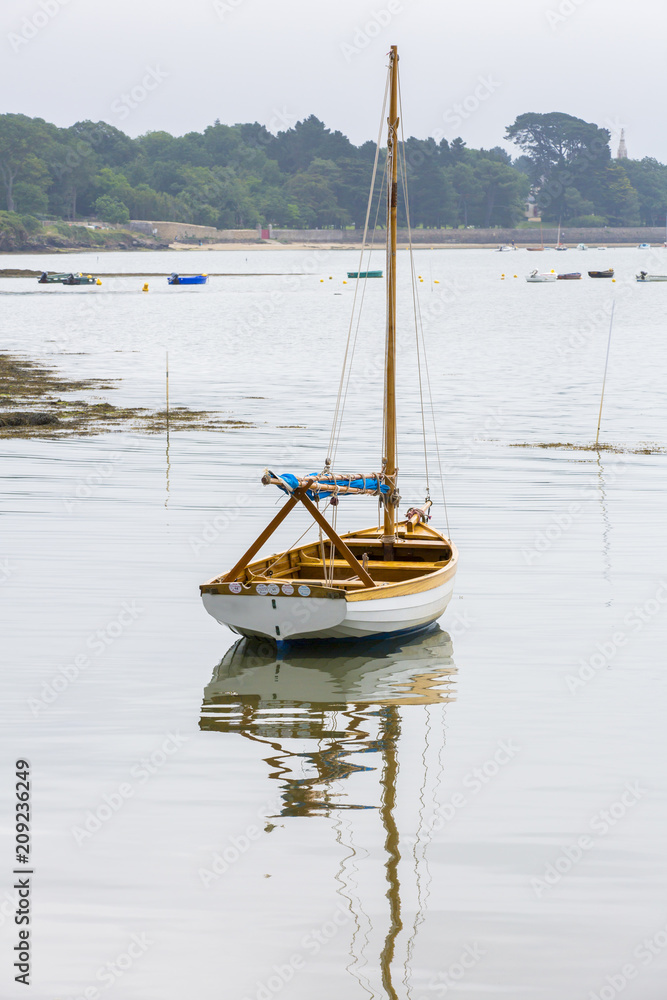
{"type": "Point", "coordinates": [476, 812]}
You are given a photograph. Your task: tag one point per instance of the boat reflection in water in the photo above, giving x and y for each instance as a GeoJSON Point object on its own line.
{"type": "Point", "coordinates": [348, 700]}
{"type": "Point", "coordinates": [331, 721]}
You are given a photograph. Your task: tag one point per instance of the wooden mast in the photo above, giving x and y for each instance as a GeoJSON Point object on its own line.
{"type": "Point", "coordinates": [390, 360]}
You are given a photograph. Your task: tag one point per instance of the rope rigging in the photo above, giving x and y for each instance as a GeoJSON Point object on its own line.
{"type": "Point", "coordinates": [419, 335]}
{"type": "Point", "coordinates": [423, 372]}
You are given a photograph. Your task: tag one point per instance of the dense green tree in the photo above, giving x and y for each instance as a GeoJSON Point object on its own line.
{"type": "Point", "coordinates": [468, 189]}
{"type": "Point", "coordinates": [649, 179]}
{"type": "Point", "coordinates": [555, 139]}
{"type": "Point", "coordinates": [432, 198]}
{"type": "Point", "coordinates": [295, 148]}
{"type": "Point", "coordinates": [24, 144]}
{"type": "Point", "coordinates": [617, 199]}
{"type": "Point", "coordinates": [457, 150]}
{"type": "Point", "coordinates": [30, 199]}
{"type": "Point", "coordinates": [564, 153]}
{"type": "Point", "coordinates": [313, 191]}
{"type": "Point", "coordinates": [113, 146]}
{"type": "Point", "coordinates": [575, 204]}
{"type": "Point", "coordinates": [110, 209]}
{"type": "Point", "coordinates": [504, 192]}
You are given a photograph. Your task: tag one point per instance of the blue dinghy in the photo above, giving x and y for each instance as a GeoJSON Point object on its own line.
{"type": "Point", "coordinates": [192, 279]}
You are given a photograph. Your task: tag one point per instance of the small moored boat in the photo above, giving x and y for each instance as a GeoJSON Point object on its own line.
{"type": "Point", "coordinates": [190, 279]}
{"type": "Point", "coordinates": [581, 246]}
{"type": "Point", "coordinates": [81, 279]}
{"type": "Point", "coordinates": [644, 246]}
{"type": "Point", "coordinates": [47, 278]}
{"type": "Point", "coordinates": [536, 276]}
{"type": "Point", "coordinates": [364, 274]}
{"type": "Point", "coordinates": [609, 273]}
{"type": "Point", "coordinates": [643, 276]}
{"type": "Point", "coordinates": [572, 276]}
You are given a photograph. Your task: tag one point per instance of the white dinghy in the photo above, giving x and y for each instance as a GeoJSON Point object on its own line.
{"type": "Point", "coordinates": [644, 276]}
{"type": "Point", "coordinates": [541, 276]}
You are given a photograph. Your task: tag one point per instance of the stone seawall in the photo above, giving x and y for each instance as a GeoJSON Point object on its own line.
{"type": "Point", "coordinates": [175, 231]}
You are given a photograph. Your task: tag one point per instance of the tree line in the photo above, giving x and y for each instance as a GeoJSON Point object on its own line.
{"type": "Point", "coordinates": [307, 176]}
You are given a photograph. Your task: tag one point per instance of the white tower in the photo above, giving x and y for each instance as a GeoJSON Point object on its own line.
{"type": "Point", "coordinates": [622, 150]}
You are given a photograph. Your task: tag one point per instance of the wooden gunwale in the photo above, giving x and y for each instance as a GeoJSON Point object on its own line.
{"type": "Point", "coordinates": [355, 590]}
{"type": "Point", "coordinates": [415, 586]}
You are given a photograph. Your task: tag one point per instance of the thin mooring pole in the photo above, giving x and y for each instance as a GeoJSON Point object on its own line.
{"type": "Point", "coordinates": [167, 374]}
{"type": "Point", "coordinates": [611, 323]}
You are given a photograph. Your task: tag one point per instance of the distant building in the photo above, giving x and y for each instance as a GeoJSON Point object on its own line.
{"type": "Point", "coordinates": [530, 210]}
{"type": "Point", "coordinates": [622, 149]}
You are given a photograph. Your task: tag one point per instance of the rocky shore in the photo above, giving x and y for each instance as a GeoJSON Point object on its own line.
{"type": "Point", "coordinates": [35, 401]}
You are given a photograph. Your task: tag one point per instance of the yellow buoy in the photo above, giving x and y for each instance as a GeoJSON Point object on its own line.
{"type": "Point", "coordinates": [321, 281]}
{"type": "Point", "coordinates": [516, 276]}
{"type": "Point", "coordinates": [331, 277]}
{"type": "Point", "coordinates": [145, 288]}
{"type": "Point", "coordinates": [436, 281]}
{"type": "Point", "coordinates": [98, 282]}
{"type": "Point", "coordinates": [613, 279]}
{"type": "Point", "coordinates": [344, 282]}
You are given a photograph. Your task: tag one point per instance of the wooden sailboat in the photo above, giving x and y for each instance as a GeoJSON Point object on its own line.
{"type": "Point", "coordinates": [388, 579]}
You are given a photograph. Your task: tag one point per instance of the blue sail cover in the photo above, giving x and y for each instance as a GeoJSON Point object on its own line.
{"type": "Point", "coordinates": [326, 487]}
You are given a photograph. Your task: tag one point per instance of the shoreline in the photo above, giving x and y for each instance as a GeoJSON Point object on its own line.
{"type": "Point", "coordinates": [273, 247]}
{"type": "Point", "coordinates": [401, 246]}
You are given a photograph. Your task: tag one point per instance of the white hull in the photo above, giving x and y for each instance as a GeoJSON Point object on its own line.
{"type": "Point", "coordinates": [326, 618]}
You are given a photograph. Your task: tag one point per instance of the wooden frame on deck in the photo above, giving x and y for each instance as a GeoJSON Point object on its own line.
{"type": "Point", "coordinates": [299, 495]}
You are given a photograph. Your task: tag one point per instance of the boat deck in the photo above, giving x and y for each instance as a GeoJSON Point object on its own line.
{"type": "Point", "coordinates": [413, 554]}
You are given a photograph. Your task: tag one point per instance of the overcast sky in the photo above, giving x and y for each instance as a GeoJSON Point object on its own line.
{"type": "Point", "coordinates": [468, 67]}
